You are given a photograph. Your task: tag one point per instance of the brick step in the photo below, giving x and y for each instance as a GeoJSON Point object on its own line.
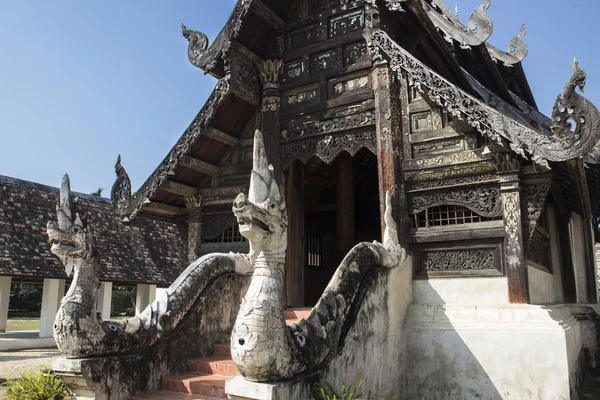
{"type": "Point", "coordinates": [167, 395]}
{"type": "Point", "coordinates": [199, 384]}
{"type": "Point", "coordinates": [296, 313]}
{"type": "Point", "coordinates": [222, 349]}
{"type": "Point", "coordinates": [218, 364]}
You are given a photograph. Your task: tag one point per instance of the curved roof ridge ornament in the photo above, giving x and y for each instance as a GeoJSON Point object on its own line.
{"type": "Point", "coordinates": [541, 145]}
{"type": "Point", "coordinates": [198, 44]}
{"type": "Point", "coordinates": [517, 50]}
{"type": "Point", "coordinates": [478, 30]}
{"type": "Point", "coordinates": [575, 119]}
{"type": "Point", "coordinates": [121, 189]}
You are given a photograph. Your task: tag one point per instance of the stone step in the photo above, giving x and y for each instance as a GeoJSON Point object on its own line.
{"type": "Point", "coordinates": [217, 364]}
{"type": "Point", "coordinates": [297, 313]}
{"type": "Point", "coordinates": [198, 384]}
{"type": "Point", "coordinates": [167, 395]}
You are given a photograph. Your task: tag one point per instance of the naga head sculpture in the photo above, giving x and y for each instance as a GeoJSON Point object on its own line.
{"type": "Point", "coordinates": [578, 79]}
{"type": "Point", "coordinates": [71, 240]}
{"type": "Point", "coordinates": [262, 215]}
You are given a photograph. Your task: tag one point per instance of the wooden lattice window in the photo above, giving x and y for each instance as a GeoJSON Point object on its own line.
{"type": "Point", "coordinates": [229, 235]}
{"type": "Point", "coordinates": [314, 252]}
{"type": "Point", "coordinates": [447, 215]}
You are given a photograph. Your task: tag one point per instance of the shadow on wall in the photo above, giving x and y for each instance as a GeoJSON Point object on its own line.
{"type": "Point", "coordinates": [437, 362]}
{"type": "Point", "coordinates": [490, 349]}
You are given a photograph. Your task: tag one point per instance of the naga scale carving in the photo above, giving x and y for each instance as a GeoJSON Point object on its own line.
{"type": "Point", "coordinates": [485, 201]}
{"type": "Point", "coordinates": [541, 146]}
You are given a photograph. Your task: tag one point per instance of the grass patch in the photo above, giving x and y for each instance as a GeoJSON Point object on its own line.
{"type": "Point", "coordinates": [23, 324]}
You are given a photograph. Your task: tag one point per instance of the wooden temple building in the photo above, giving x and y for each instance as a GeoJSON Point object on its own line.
{"type": "Point", "coordinates": [344, 123]}
{"type": "Point", "coordinates": [495, 203]}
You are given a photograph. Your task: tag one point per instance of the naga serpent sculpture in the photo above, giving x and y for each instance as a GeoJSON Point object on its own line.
{"type": "Point", "coordinates": [79, 330]}
{"type": "Point", "coordinates": [263, 347]}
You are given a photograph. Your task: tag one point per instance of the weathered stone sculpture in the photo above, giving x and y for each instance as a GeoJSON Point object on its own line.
{"type": "Point", "coordinates": [80, 332]}
{"type": "Point", "coordinates": [263, 347]}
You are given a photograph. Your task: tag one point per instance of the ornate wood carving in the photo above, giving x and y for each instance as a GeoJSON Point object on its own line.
{"type": "Point", "coordinates": [534, 196]}
{"type": "Point", "coordinates": [459, 258]}
{"type": "Point", "coordinates": [121, 189]}
{"type": "Point", "coordinates": [451, 182]}
{"type": "Point", "coordinates": [542, 146]}
{"type": "Point", "coordinates": [336, 124]}
{"type": "Point", "coordinates": [484, 200]}
{"type": "Point", "coordinates": [215, 223]}
{"type": "Point", "coordinates": [452, 171]}
{"type": "Point", "coordinates": [516, 268]}
{"type": "Point", "coordinates": [328, 147]}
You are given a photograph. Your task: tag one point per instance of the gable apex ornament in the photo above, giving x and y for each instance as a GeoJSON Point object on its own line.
{"type": "Point", "coordinates": [517, 50]}
{"type": "Point", "coordinates": [478, 30]}
{"type": "Point", "coordinates": [198, 44]}
{"type": "Point", "coordinates": [121, 189]}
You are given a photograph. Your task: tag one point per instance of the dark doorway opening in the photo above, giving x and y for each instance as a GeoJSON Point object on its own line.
{"type": "Point", "coordinates": [341, 209]}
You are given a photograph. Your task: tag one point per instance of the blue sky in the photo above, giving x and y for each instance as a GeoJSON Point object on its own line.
{"type": "Point", "coordinates": [82, 81]}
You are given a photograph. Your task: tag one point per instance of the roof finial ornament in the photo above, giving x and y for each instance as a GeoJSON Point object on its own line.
{"type": "Point", "coordinates": [121, 189]}
{"type": "Point", "coordinates": [574, 118]}
{"type": "Point", "coordinates": [517, 50]}
{"type": "Point", "coordinates": [477, 31]}
{"type": "Point", "coordinates": [198, 44]}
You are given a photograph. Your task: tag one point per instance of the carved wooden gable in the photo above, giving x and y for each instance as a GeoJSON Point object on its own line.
{"type": "Point", "coordinates": [326, 93]}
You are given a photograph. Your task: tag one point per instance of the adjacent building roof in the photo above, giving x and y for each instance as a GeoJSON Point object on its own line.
{"type": "Point", "coordinates": [143, 251]}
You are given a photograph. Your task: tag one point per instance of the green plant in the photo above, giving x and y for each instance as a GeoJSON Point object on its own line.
{"type": "Point", "coordinates": [326, 391]}
{"type": "Point", "coordinates": [37, 386]}
{"type": "Point", "coordinates": [98, 192]}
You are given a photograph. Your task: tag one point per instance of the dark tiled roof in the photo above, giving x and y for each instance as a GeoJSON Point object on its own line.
{"type": "Point", "coordinates": [143, 251]}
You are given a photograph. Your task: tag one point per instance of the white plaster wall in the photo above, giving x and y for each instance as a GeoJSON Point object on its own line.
{"type": "Point", "coordinates": [461, 291]}
{"type": "Point", "coordinates": [372, 350]}
{"type": "Point", "coordinates": [541, 286]}
{"type": "Point", "coordinates": [501, 352]}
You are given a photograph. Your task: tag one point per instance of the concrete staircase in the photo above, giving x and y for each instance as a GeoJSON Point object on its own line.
{"type": "Point", "coordinates": [206, 377]}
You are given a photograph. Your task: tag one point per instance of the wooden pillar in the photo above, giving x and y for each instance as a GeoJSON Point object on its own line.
{"type": "Point", "coordinates": [295, 263]}
{"type": "Point", "coordinates": [5, 282]}
{"type": "Point", "coordinates": [194, 221]}
{"type": "Point", "coordinates": [391, 117]}
{"type": "Point", "coordinates": [515, 264]}
{"type": "Point", "coordinates": [345, 217]}
{"type": "Point", "coordinates": [270, 76]}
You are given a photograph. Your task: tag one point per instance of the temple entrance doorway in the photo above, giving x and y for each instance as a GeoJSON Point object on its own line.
{"type": "Point", "coordinates": [339, 207]}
